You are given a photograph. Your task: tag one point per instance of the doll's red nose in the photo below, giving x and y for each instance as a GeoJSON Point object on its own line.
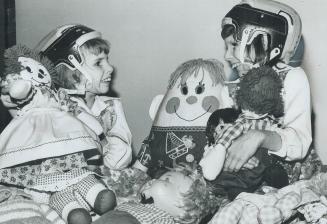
{"type": "Point", "coordinates": [191, 99]}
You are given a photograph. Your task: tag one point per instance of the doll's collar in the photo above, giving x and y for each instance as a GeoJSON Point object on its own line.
{"type": "Point", "coordinates": [252, 115]}
{"type": "Point", "coordinates": [98, 106]}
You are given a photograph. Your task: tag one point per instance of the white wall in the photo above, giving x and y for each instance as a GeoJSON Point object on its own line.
{"type": "Point", "coordinates": [151, 37]}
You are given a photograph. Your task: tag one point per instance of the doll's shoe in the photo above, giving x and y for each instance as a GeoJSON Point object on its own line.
{"type": "Point", "coordinates": [105, 201]}
{"type": "Point", "coordinates": [213, 162]}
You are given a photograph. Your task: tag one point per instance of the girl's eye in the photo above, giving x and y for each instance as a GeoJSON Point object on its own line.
{"type": "Point", "coordinates": [199, 88]}
{"type": "Point", "coordinates": [184, 89]}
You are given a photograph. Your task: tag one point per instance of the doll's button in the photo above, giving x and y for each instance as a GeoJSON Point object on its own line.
{"type": "Point", "coordinates": [189, 158]}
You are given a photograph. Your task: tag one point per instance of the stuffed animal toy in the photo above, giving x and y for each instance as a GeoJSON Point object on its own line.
{"type": "Point", "coordinates": [45, 148]}
{"type": "Point", "coordinates": [259, 97]}
{"type": "Point", "coordinates": [178, 130]}
{"type": "Point", "coordinates": [178, 196]}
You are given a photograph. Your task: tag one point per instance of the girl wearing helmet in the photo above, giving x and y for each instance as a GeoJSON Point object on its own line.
{"type": "Point", "coordinates": [258, 33]}
{"type": "Point", "coordinates": [84, 72]}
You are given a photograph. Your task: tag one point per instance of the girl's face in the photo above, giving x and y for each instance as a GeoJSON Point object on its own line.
{"type": "Point", "coordinates": [99, 70]}
{"type": "Point", "coordinates": [232, 55]}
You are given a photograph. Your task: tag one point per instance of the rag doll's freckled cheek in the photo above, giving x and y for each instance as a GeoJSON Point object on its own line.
{"type": "Point", "coordinates": [172, 105]}
{"type": "Point", "coordinates": [210, 103]}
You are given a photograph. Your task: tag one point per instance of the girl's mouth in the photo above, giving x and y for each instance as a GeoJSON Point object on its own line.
{"type": "Point", "coordinates": [106, 79]}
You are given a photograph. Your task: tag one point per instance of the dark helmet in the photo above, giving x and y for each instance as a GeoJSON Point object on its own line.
{"type": "Point", "coordinates": [274, 20]}
{"type": "Point", "coordinates": [62, 45]}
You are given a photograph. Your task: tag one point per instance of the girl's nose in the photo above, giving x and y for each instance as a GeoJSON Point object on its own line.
{"type": "Point", "coordinates": [108, 68]}
{"type": "Point", "coordinates": [228, 55]}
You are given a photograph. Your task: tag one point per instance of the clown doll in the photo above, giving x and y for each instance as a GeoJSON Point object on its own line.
{"type": "Point", "coordinates": [45, 148]}
{"type": "Point", "coordinates": [178, 131]}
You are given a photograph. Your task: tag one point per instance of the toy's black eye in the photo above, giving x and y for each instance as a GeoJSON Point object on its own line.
{"type": "Point", "coordinates": [41, 74]}
{"type": "Point", "coordinates": [28, 69]}
{"type": "Point", "coordinates": [199, 88]}
{"type": "Point", "coordinates": [184, 89]}
{"type": "Point", "coordinates": [221, 126]}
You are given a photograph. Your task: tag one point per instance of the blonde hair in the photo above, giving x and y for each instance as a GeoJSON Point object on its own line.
{"type": "Point", "coordinates": [214, 67]}
{"type": "Point", "coordinates": [198, 201]}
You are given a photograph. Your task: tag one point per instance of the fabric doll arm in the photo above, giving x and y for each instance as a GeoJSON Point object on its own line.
{"type": "Point", "coordinates": [213, 160]}
{"type": "Point", "coordinates": [296, 136]}
{"type": "Point", "coordinates": [118, 151]}
{"type": "Point", "coordinates": [144, 156]}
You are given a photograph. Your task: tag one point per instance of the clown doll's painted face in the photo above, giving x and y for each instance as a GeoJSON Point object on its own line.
{"type": "Point", "coordinates": [190, 101]}
{"type": "Point", "coordinates": [18, 85]}
{"type": "Point", "coordinates": [34, 71]}
{"type": "Point", "coordinates": [167, 192]}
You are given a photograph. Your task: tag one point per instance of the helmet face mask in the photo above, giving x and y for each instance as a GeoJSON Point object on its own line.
{"type": "Point", "coordinates": [277, 22]}
{"type": "Point", "coordinates": [62, 46]}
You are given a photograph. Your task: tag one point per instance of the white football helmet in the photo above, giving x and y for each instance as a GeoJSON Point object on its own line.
{"type": "Point", "coordinates": [278, 23]}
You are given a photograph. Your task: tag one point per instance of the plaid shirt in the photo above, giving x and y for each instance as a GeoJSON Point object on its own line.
{"type": "Point", "coordinates": [242, 125]}
{"type": "Point", "coordinates": [267, 209]}
{"type": "Point", "coordinates": [146, 213]}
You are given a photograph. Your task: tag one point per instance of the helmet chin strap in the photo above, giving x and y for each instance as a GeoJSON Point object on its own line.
{"type": "Point", "coordinates": [78, 66]}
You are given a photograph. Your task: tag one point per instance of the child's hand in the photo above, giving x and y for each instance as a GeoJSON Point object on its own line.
{"type": "Point", "coordinates": [251, 163]}
{"type": "Point", "coordinates": [242, 149]}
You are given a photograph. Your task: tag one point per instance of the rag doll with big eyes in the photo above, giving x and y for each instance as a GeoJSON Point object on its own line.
{"type": "Point", "coordinates": [177, 133]}
{"type": "Point", "coordinates": [45, 148]}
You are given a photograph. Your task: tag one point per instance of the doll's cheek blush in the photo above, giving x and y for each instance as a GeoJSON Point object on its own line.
{"type": "Point", "coordinates": [210, 103]}
{"type": "Point", "coordinates": [172, 105]}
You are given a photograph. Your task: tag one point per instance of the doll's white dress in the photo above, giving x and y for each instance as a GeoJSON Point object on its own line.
{"type": "Point", "coordinates": [42, 130]}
